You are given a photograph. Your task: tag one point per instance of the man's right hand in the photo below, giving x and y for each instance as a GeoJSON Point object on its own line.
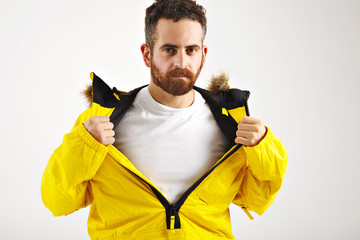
{"type": "Point", "coordinates": [101, 129]}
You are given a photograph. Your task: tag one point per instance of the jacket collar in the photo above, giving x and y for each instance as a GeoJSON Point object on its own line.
{"type": "Point", "coordinates": [218, 102]}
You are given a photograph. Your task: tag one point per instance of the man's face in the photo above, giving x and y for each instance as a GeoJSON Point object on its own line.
{"type": "Point", "coordinates": [177, 56]}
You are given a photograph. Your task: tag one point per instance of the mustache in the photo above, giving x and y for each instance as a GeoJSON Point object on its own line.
{"type": "Point", "coordinates": [180, 72]}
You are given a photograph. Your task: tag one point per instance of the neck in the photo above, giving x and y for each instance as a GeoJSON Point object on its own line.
{"type": "Point", "coordinates": [169, 100]}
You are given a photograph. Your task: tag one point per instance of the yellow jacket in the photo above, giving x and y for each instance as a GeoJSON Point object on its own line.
{"type": "Point", "coordinates": [126, 205]}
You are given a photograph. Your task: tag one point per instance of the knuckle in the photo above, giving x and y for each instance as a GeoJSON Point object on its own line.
{"type": "Point", "coordinates": [92, 120]}
{"type": "Point", "coordinates": [97, 128]}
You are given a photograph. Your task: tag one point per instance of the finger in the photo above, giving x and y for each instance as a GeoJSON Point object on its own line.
{"type": "Point", "coordinates": [242, 140]}
{"type": "Point", "coordinates": [250, 120]}
{"type": "Point", "coordinates": [250, 138]}
{"type": "Point", "coordinates": [108, 141]}
{"type": "Point", "coordinates": [244, 134]}
{"type": "Point", "coordinates": [252, 128]}
{"type": "Point", "coordinates": [248, 127]}
{"type": "Point", "coordinates": [110, 133]}
{"type": "Point", "coordinates": [106, 125]}
{"type": "Point", "coordinates": [249, 142]}
{"type": "Point", "coordinates": [106, 137]}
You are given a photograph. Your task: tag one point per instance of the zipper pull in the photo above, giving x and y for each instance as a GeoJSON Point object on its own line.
{"type": "Point", "coordinates": [172, 218]}
{"type": "Point", "coordinates": [247, 213]}
{"type": "Point", "coordinates": [172, 222]}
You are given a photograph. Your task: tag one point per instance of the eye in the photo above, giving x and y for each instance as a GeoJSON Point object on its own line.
{"type": "Point", "coordinates": [191, 51]}
{"type": "Point", "coordinates": [170, 50]}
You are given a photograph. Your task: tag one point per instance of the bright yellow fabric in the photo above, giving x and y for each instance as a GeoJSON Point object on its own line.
{"type": "Point", "coordinates": [224, 112]}
{"type": "Point", "coordinates": [82, 171]}
{"type": "Point", "coordinates": [237, 113]}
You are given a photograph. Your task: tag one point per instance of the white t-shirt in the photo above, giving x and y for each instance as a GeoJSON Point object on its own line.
{"type": "Point", "coordinates": [172, 147]}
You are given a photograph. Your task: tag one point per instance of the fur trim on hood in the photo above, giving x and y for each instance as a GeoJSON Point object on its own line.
{"type": "Point", "coordinates": [218, 84]}
{"type": "Point", "coordinates": [87, 93]}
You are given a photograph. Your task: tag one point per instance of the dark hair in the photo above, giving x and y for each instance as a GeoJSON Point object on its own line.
{"type": "Point", "coordinates": [175, 10]}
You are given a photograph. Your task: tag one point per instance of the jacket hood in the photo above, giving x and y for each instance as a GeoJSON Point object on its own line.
{"type": "Point", "coordinates": [218, 84]}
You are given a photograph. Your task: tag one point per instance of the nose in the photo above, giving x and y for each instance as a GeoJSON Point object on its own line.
{"type": "Point", "coordinates": [181, 60]}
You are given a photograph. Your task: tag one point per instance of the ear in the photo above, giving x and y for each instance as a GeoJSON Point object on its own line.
{"type": "Point", "coordinates": [145, 50]}
{"type": "Point", "coordinates": [205, 50]}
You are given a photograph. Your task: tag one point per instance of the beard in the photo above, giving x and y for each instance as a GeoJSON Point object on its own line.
{"type": "Point", "coordinates": [168, 83]}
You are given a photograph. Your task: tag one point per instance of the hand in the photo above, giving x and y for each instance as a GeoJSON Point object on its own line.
{"type": "Point", "coordinates": [250, 131]}
{"type": "Point", "coordinates": [101, 129]}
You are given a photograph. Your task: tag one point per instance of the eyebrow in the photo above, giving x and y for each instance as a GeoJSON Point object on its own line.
{"type": "Point", "coordinates": [174, 46]}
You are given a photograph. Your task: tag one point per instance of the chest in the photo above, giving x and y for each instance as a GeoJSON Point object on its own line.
{"type": "Point", "coordinates": [172, 150]}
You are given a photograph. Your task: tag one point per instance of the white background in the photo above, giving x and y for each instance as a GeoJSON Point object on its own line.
{"type": "Point", "coordinates": [300, 59]}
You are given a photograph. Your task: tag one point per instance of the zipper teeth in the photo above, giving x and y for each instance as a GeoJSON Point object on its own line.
{"type": "Point", "coordinates": [151, 187]}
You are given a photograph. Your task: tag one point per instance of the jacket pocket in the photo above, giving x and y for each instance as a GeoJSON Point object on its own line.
{"type": "Point", "coordinates": [224, 182]}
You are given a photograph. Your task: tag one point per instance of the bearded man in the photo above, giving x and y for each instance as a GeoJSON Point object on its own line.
{"type": "Point", "coordinates": [165, 161]}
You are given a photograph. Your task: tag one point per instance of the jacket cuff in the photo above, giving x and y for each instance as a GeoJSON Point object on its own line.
{"type": "Point", "coordinates": [264, 141]}
{"type": "Point", "coordinates": [90, 140]}
{"type": "Point", "coordinates": [268, 159]}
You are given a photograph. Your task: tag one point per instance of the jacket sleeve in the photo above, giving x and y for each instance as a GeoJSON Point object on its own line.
{"type": "Point", "coordinates": [65, 182]}
{"type": "Point", "coordinates": [266, 165]}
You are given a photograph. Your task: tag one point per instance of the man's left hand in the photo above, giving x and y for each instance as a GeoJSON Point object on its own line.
{"type": "Point", "coordinates": [250, 131]}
